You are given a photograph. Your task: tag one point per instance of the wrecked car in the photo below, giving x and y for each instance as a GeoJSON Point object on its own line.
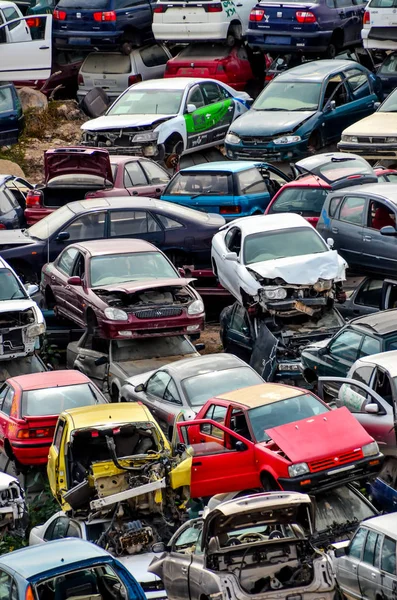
{"type": "Point", "coordinates": [278, 263]}
{"type": "Point", "coordinates": [275, 436]}
{"type": "Point", "coordinates": [13, 515]}
{"type": "Point", "coordinates": [21, 320]}
{"type": "Point", "coordinates": [256, 545]}
{"type": "Point", "coordinates": [122, 288]}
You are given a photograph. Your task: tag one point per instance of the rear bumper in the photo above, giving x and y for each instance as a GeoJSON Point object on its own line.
{"type": "Point", "coordinates": [111, 95]}
{"type": "Point", "coordinates": [78, 39]}
{"type": "Point", "coordinates": [31, 453]}
{"type": "Point", "coordinates": [372, 151]}
{"type": "Point", "coordinates": [178, 32]}
{"type": "Point", "coordinates": [33, 215]}
{"type": "Point", "coordinates": [316, 41]}
{"type": "Point", "coordinates": [377, 43]}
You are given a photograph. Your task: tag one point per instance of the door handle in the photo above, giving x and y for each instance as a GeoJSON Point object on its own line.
{"type": "Point", "coordinates": [197, 464]}
{"type": "Point", "coordinates": [82, 357]}
{"type": "Point", "coordinates": [184, 569]}
{"type": "Point", "coordinates": [230, 108]}
{"type": "Point", "coordinates": [44, 48]}
{"type": "Point", "coordinates": [373, 575]}
{"type": "Point", "coordinates": [367, 238]}
{"type": "Point", "coordinates": [67, 287]}
{"type": "Point", "coordinates": [341, 13]}
{"type": "Point", "coordinates": [354, 567]}
{"type": "Point", "coordinates": [335, 230]}
{"type": "Point", "coordinates": [135, 193]}
{"type": "Point", "coordinates": [158, 190]}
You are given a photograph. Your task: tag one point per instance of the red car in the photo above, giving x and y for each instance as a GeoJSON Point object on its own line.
{"type": "Point", "coordinates": [122, 288]}
{"type": "Point", "coordinates": [78, 173]}
{"type": "Point", "coordinates": [29, 410]}
{"type": "Point", "coordinates": [228, 65]}
{"type": "Point", "coordinates": [275, 436]}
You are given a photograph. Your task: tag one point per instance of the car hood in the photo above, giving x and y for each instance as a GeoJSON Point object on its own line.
{"type": "Point", "coordinates": [15, 237]}
{"type": "Point", "coordinates": [317, 345]}
{"type": "Point", "coordinates": [139, 369]}
{"type": "Point", "coordinates": [322, 436]}
{"type": "Point", "coordinates": [130, 287]}
{"type": "Point", "coordinates": [24, 304]}
{"type": "Point", "coordinates": [117, 121]}
{"type": "Point", "coordinates": [380, 123]}
{"type": "Point", "coordinates": [303, 270]}
{"type": "Point", "coordinates": [77, 161]}
{"type": "Point", "coordinates": [137, 565]}
{"type": "Point", "coordinates": [269, 123]}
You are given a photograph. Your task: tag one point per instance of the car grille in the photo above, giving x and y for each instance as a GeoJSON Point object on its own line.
{"type": "Point", "coordinates": [252, 139]}
{"type": "Point", "coordinates": [255, 154]}
{"type": "Point", "coordinates": [12, 341]}
{"type": "Point", "coordinates": [158, 313]}
{"type": "Point", "coordinates": [372, 140]}
{"type": "Point", "coordinates": [331, 463]}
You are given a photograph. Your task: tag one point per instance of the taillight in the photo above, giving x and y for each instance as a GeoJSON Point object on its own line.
{"type": "Point", "coordinates": [34, 198]}
{"type": "Point", "coordinates": [211, 8]}
{"type": "Point", "coordinates": [2, 226]}
{"type": "Point", "coordinates": [29, 593]}
{"type": "Point", "coordinates": [109, 15]}
{"type": "Point", "coordinates": [80, 79]}
{"type": "Point", "coordinates": [59, 15]}
{"type": "Point", "coordinates": [230, 210]}
{"type": "Point", "coordinates": [305, 16]}
{"type": "Point", "coordinates": [39, 432]}
{"type": "Point", "coordinates": [160, 8]}
{"type": "Point", "coordinates": [134, 79]}
{"type": "Point", "coordinates": [256, 14]}
{"type": "Point", "coordinates": [33, 22]}
{"type": "Point", "coordinates": [367, 18]}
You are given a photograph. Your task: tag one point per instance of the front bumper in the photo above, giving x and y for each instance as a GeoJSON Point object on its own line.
{"type": "Point", "coordinates": [372, 151]}
{"type": "Point", "coordinates": [136, 328]}
{"type": "Point", "coordinates": [289, 41]}
{"type": "Point", "coordinates": [148, 149]}
{"type": "Point", "coordinates": [289, 307]}
{"type": "Point", "coordinates": [269, 151]}
{"type": "Point", "coordinates": [178, 32]}
{"type": "Point", "coordinates": [330, 478]}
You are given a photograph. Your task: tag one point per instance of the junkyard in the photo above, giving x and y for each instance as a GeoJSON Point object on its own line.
{"type": "Point", "coordinates": [198, 300]}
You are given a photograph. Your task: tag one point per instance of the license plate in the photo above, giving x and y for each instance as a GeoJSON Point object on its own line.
{"type": "Point", "coordinates": [288, 367]}
{"type": "Point", "coordinates": [278, 39]}
{"type": "Point", "coordinates": [341, 470]}
{"type": "Point", "coordinates": [80, 41]}
{"type": "Point", "coordinates": [105, 82]}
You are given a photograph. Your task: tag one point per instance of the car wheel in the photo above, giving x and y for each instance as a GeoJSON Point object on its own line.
{"type": "Point", "coordinates": [314, 143]}
{"type": "Point", "coordinates": [173, 150]}
{"type": "Point", "coordinates": [330, 51]}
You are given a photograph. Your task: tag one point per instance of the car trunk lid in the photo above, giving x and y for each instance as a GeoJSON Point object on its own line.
{"type": "Point", "coordinates": [110, 71]}
{"type": "Point", "coordinates": [185, 12]}
{"type": "Point", "coordinates": [60, 162]}
{"type": "Point", "coordinates": [283, 17]}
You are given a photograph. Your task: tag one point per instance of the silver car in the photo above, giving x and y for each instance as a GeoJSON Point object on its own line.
{"type": "Point", "coordinates": [184, 386]}
{"type": "Point", "coordinates": [366, 568]}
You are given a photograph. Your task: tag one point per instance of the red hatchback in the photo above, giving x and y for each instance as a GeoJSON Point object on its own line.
{"type": "Point", "coordinates": [29, 410]}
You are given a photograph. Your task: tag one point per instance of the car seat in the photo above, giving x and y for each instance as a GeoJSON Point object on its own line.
{"type": "Point", "coordinates": [81, 583]}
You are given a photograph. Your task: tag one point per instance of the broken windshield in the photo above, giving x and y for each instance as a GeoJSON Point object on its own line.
{"type": "Point", "coordinates": [271, 245]}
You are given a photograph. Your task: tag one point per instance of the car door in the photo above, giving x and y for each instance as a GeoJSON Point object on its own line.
{"type": "Point", "coordinates": [347, 228]}
{"type": "Point", "coordinates": [135, 224]}
{"type": "Point", "coordinates": [336, 108]}
{"type": "Point", "coordinates": [4, 390]}
{"type": "Point", "coordinates": [239, 336]}
{"type": "Point", "coordinates": [362, 94]}
{"type": "Point", "coordinates": [349, 20]}
{"type": "Point", "coordinates": [30, 59]}
{"type": "Point", "coordinates": [387, 580]}
{"type": "Point", "coordinates": [53, 460]}
{"type": "Point", "coordinates": [199, 121]}
{"type": "Point", "coordinates": [347, 566]}
{"type": "Point", "coordinates": [135, 180]}
{"type": "Point", "coordinates": [220, 106]}
{"type": "Point", "coordinates": [153, 398]}
{"type": "Point", "coordinates": [59, 275]}
{"type": "Point", "coordinates": [379, 252]}
{"type": "Point", "coordinates": [76, 295]}
{"type": "Point", "coordinates": [227, 270]}
{"type": "Point", "coordinates": [368, 572]}
{"type": "Point", "coordinates": [157, 176]}
{"type": "Point", "coordinates": [90, 226]}
{"type": "Point", "coordinates": [340, 354]}
{"type": "Point", "coordinates": [90, 350]}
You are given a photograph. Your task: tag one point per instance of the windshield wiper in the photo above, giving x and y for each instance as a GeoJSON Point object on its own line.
{"type": "Point", "coordinates": [210, 193]}
{"type": "Point", "coordinates": [273, 109]}
{"type": "Point", "coordinates": [306, 108]}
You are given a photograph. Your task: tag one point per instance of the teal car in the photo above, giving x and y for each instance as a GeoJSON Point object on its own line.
{"type": "Point", "coordinates": [231, 189]}
{"type": "Point", "coordinates": [303, 110]}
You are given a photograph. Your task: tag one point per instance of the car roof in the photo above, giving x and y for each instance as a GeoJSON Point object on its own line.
{"type": "Point", "coordinates": [116, 246]}
{"type": "Point", "coordinates": [91, 204]}
{"type": "Point", "coordinates": [261, 394]}
{"type": "Point", "coordinates": [316, 70]}
{"type": "Point", "coordinates": [382, 322]}
{"type": "Point", "coordinates": [386, 524]}
{"type": "Point", "coordinates": [262, 223]}
{"type": "Point", "coordinates": [387, 360]}
{"type": "Point", "coordinates": [106, 414]}
{"type": "Point", "coordinates": [41, 558]}
{"type": "Point", "coordinates": [48, 379]}
{"type": "Point", "coordinates": [224, 165]}
{"type": "Point", "coordinates": [204, 364]}
{"type": "Point", "coordinates": [385, 190]}
{"type": "Point", "coordinates": [173, 83]}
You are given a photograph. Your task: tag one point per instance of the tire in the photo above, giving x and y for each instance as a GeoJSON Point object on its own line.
{"type": "Point", "coordinates": [331, 51]}
{"type": "Point", "coordinates": [173, 148]}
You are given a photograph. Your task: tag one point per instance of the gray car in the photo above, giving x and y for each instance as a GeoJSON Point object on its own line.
{"type": "Point", "coordinates": [362, 224]}
{"type": "Point", "coordinates": [370, 295]}
{"type": "Point", "coordinates": [366, 568]}
{"type": "Point", "coordinates": [184, 386]}
{"type": "Point", "coordinates": [109, 363]}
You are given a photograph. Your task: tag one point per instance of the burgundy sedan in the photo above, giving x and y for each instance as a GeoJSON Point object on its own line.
{"type": "Point", "coordinates": [122, 289]}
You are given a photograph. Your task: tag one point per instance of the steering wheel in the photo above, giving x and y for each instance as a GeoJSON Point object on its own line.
{"type": "Point", "coordinates": [275, 534]}
{"type": "Point", "coordinates": [251, 537]}
{"type": "Point", "coordinates": [233, 542]}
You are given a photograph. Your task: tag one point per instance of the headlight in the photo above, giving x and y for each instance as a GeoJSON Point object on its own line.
{"type": "Point", "coordinates": [287, 139]}
{"type": "Point", "coordinates": [232, 138]}
{"type": "Point", "coordinates": [350, 138]}
{"type": "Point", "coordinates": [35, 330]}
{"type": "Point", "coordinates": [323, 284]}
{"type": "Point", "coordinates": [196, 308]}
{"type": "Point", "coordinates": [115, 314]}
{"type": "Point", "coordinates": [150, 136]}
{"type": "Point", "coordinates": [298, 469]}
{"type": "Point", "coordinates": [274, 293]}
{"type": "Point", "coordinates": [371, 449]}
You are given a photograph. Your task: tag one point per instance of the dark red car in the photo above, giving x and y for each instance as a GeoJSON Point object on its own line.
{"type": "Point", "coordinates": [75, 173]}
{"type": "Point", "coordinates": [122, 288]}
{"type": "Point", "coordinates": [29, 410]}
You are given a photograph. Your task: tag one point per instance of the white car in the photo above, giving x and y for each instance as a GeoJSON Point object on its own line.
{"type": "Point", "coordinates": [203, 20]}
{"type": "Point", "coordinates": [167, 116]}
{"type": "Point", "coordinates": [115, 72]}
{"type": "Point", "coordinates": [279, 262]}
{"type": "Point", "coordinates": [21, 320]}
{"type": "Point", "coordinates": [380, 26]}
{"type": "Point", "coordinates": [12, 505]}
{"type": "Point", "coordinates": [18, 29]}
{"type": "Point", "coordinates": [61, 526]}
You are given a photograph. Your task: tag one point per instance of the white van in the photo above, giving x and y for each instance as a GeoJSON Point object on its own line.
{"type": "Point", "coordinates": [380, 25]}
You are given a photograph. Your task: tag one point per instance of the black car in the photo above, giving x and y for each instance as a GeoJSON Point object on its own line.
{"type": "Point", "coordinates": [182, 233]}
{"type": "Point", "coordinates": [13, 192]}
{"type": "Point", "coordinates": [387, 73]}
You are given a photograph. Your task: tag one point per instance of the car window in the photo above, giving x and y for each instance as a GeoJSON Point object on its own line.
{"type": "Point", "coordinates": [171, 393]}
{"type": "Point", "coordinates": [17, 194]}
{"type": "Point", "coordinates": [125, 223]}
{"type": "Point", "coordinates": [83, 583]}
{"type": "Point", "coordinates": [388, 556]}
{"type": "Point", "coordinates": [363, 374]}
{"type": "Point", "coordinates": [11, 14]}
{"type": "Point", "coordinates": [370, 293]}
{"type": "Point", "coordinates": [357, 543]}
{"type": "Point", "coordinates": [251, 182]}
{"type": "Point", "coordinates": [352, 210]}
{"type": "Point", "coordinates": [358, 82]}
{"type": "Point", "coordinates": [157, 384]}
{"type": "Point", "coordinates": [169, 223]}
{"type": "Point", "coordinates": [239, 321]}
{"type": "Point", "coordinates": [383, 386]}
{"type": "Point", "coordinates": [239, 424]}
{"type": "Point", "coordinates": [211, 92]}
{"type": "Point", "coordinates": [58, 434]}
{"type": "Point", "coordinates": [7, 403]}
{"type": "Point", "coordinates": [88, 227]}
{"type": "Point", "coordinates": [390, 63]}
{"type": "Point", "coordinates": [233, 240]}
{"type": "Point", "coordinates": [7, 202]}
{"type": "Point", "coordinates": [155, 174]}
{"type": "Point", "coordinates": [216, 413]}
{"type": "Point", "coordinates": [380, 215]}
{"type": "Point", "coordinates": [334, 205]}
{"type": "Point", "coordinates": [196, 97]}
{"type": "Point", "coordinates": [369, 346]}
{"type": "Point", "coordinates": [188, 537]}
{"type": "Point", "coordinates": [343, 3]}
{"type": "Point", "coordinates": [8, 589]}
{"type": "Point", "coordinates": [66, 260]}
{"type": "Point", "coordinates": [346, 345]}
{"type": "Point", "coordinates": [57, 529]}
{"type": "Point", "coordinates": [134, 175]}
{"type": "Point", "coordinates": [369, 548]}
{"type": "Point", "coordinates": [153, 56]}
{"type": "Point", "coordinates": [336, 90]}
{"type": "Point", "coordinates": [378, 547]}
{"type": "Point", "coordinates": [73, 530]}
{"type": "Point", "coordinates": [79, 266]}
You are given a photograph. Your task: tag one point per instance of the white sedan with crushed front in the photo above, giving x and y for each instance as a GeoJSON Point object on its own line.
{"type": "Point", "coordinates": [278, 263]}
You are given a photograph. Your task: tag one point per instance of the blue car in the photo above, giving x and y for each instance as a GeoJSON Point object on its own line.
{"type": "Point", "coordinates": [319, 26]}
{"type": "Point", "coordinates": [11, 115]}
{"type": "Point", "coordinates": [231, 189]}
{"type": "Point", "coordinates": [303, 110]}
{"type": "Point", "coordinates": [67, 568]}
{"type": "Point", "coordinates": [383, 494]}
{"type": "Point", "coordinates": [102, 24]}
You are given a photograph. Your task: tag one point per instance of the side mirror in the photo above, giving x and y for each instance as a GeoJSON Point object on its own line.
{"type": "Point", "coordinates": [338, 552]}
{"type": "Point", "coordinates": [332, 105]}
{"type": "Point", "coordinates": [158, 547]}
{"type": "Point", "coordinates": [181, 272]}
{"type": "Point", "coordinates": [231, 256]}
{"type": "Point", "coordinates": [330, 242]}
{"type": "Point", "coordinates": [31, 289]}
{"type": "Point", "coordinates": [377, 105]}
{"type": "Point", "coordinates": [62, 236]}
{"type": "Point", "coordinates": [74, 280]}
{"type": "Point", "coordinates": [191, 108]}
{"type": "Point", "coordinates": [240, 446]}
{"type": "Point", "coordinates": [372, 408]}
{"type": "Point", "coordinates": [388, 230]}
{"type": "Point", "coordinates": [322, 351]}
{"type": "Point", "coordinates": [139, 388]}
{"type": "Point", "coordinates": [102, 360]}
{"type": "Point", "coordinates": [199, 347]}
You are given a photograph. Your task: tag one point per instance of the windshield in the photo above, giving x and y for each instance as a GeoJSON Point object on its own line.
{"type": "Point", "coordinates": [200, 388]}
{"type": "Point", "coordinates": [149, 102]}
{"type": "Point", "coordinates": [51, 223]}
{"type": "Point", "coordinates": [289, 95]}
{"type": "Point", "coordinates": [138, 266]}
{"type": "Point", "coordinates": [192, 184]}
{"type": "Point", "coordinates": [307, 202]}
{"type": "Point", "coordinates": [20, 366]}
{"type": "Point", "coordinates": [132, 350]}
{"type": "Point", "coordinates": [268, 245]}
{"type": "Point", "coordinates": [339, 506]}
{"type": "Point", "coordinates": [390, 104]}
{"type": "Point", "coordinates": [282, 412]}
{"type": "Point", "coordinates": [10, 287]}
{"type": "Point", "coordinates": [390, 65]}
{"type": "Point", "coordinates": [54, 400]}
{"type": "Point", "coordinates": [340, 168]}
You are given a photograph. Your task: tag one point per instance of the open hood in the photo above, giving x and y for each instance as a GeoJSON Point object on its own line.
{"type": "Point", "coordinates": [130, 287]}
{"type": "Point", "coordinates": [337, 169]}
{"type": "Point", "coordinates": [304, 269]}
{"type": "Point", "coordinates": [323, 436]}
{"type": "Point", "coordinates": [59, 162]}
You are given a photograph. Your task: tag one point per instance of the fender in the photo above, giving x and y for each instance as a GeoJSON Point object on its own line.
{"type": "Point", "coordinates": [174, 125]}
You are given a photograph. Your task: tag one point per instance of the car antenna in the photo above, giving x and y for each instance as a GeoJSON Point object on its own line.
{"type": "Point", "coordinates": [48, 243]}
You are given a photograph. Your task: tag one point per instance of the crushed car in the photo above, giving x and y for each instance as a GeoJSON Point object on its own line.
{"type": "Point", "coordinates": [13, 517]}
{"type": "Point", "coordinates": [256, 545]}
{"type": "Point", "coordinates": [278, 264]}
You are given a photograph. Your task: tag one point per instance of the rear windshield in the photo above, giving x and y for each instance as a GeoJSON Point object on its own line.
{"type": "Point", "coordinates": [107, 63]}
{"type": "Point", "coordinates": [339, 168]}
{"type": "Point", "coordinates": [200, 184]}
{"type": "Point", "coordinates": [307, 202]}
{"type": "Point", "coordinates": [390, 65]}
{"type": "Point", "coordinates": [203, 51]}
{"type": "Point", "coordinates": [338, 506]}
{"type": "Point", "coordinates": [383, 4]}
{"type": "Point", "coordinates": [123, 350]}
{"type": "Point", "coordinates": [83, 4]}
{"type": "Point", "coordinates": [53, 401]}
